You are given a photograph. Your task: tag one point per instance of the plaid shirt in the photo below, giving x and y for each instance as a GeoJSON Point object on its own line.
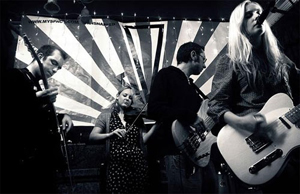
{"type": "Point", "coordinates": [231, 91]}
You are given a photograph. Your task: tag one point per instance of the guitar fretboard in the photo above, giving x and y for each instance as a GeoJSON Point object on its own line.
{"type": "Point", "coordinates": [209, 123]}
{"type": "Point", "coordinates": [294, 114]}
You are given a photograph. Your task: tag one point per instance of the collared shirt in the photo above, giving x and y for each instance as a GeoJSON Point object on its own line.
{"type": "Point", "coordinates": [231, 91]}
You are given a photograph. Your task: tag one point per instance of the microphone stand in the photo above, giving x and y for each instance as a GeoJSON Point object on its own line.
{"type": "Point", "coordinates": [276, 10]}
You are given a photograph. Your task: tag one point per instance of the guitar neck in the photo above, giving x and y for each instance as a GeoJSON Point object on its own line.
{"type": "Point", "coordinates": [209, 123]}
{"type": "Point", "coordinates": [294, 114]}
{"type": "Point", "coordinates": [202, 113]}
{"type": "Point", "coordinates": [32, 51]}
{"type": "Point", "coordinates": [45, 81]}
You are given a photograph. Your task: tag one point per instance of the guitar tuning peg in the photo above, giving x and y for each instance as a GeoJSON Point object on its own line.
{"type": "Point", "coordinates": [35, 49]}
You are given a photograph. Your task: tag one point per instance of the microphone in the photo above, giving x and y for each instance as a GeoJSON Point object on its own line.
{"type": "Point", "coordinates": [265, 13]}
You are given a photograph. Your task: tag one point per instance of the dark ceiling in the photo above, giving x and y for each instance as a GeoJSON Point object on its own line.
{"type": "Point", "coordinates": [144, 10]}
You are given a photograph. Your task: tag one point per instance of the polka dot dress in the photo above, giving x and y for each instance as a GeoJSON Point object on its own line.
{"type": "Point", "coordinates": [127, 169]}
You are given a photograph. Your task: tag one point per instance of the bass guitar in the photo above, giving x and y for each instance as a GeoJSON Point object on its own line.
{"type": "Point", "coordinates": [256, 159]}
{"type": "Point", "coordinates": [195, 146]}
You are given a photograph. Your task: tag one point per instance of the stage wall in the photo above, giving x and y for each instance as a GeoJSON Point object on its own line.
{"type": "Point", "coordinates": [106, 54]}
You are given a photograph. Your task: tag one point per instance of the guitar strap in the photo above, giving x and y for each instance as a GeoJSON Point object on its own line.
{"type": "Point", "coordinates": [201, 94]}
{"type": "Point", "coordinates": [33, 80]}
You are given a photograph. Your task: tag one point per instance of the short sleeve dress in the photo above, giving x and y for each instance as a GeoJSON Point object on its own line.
{"type": "Point", "coordinates": [127, 169]}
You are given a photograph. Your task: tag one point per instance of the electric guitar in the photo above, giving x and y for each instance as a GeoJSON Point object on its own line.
{"type": "Point", "coordinates": [256, 159]}
{"type": "Point", "coordinates": [196, 146]}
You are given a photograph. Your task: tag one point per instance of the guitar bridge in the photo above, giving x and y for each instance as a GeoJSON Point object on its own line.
{"type": "Point", "coordinates": [265, 161]}
{"type": "Point", "coordinates": [257, 143]}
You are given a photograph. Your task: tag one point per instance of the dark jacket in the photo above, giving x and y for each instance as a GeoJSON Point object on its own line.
{"type": "Point", "coordinates": [171, 98]}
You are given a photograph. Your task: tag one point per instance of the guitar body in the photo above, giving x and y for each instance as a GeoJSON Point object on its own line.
{"type": "Point", "coordinates": [284, 136]}
{"type": "Point", "coordinates": [199, 154]}
{"type": "Point", "coordinates": [190, 143]}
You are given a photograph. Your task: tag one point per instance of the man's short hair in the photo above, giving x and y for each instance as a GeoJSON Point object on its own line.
{"type": "Point", "coordinates": [47, 50]}
{"type": "Point", "coordinates": [184, 51]}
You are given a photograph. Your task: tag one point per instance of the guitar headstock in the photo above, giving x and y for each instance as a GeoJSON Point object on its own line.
{"type": "Point", "coordinates": [33, 52]}
{"type": "Point", "coordinates": [32, 49]}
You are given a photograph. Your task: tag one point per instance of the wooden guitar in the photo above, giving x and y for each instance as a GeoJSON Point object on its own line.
{"type": "Point", "coordinates": [196, 146]}
{"type": "Point", "coordinates": [256, 159]}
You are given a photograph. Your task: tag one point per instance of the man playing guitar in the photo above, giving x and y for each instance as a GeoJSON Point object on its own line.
{"type": "Point", "coordinates": [173, 97]}
{"type": "Point", "coordinates": [31, 150]}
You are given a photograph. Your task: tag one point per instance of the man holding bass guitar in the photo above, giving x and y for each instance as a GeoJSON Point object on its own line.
{"type": "Point", "coordinates": [30, 141]}
{"type": "Point", "coordinates": [173, 97]}
{"type": "Point", "coordinates": [253, 71]}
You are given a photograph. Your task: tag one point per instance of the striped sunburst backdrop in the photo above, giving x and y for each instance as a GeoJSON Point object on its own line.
{"type": "Point", "coordinates": [107, 54]}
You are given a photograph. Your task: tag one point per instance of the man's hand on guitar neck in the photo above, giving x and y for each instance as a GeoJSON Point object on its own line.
{"type": "Point", "coordinates": [199, 126]}
{"type": "Point", "coordinates": [48, 95]}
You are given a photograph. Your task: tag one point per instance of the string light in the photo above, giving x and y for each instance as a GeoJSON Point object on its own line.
{"type": "Point", "coordinates": [37, 31]}
{"type": "Point", "coordinates": [134, 17]}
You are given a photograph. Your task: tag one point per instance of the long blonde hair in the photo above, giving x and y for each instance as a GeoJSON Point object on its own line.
{"type": "Point", "coordinates": [240, 50]}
